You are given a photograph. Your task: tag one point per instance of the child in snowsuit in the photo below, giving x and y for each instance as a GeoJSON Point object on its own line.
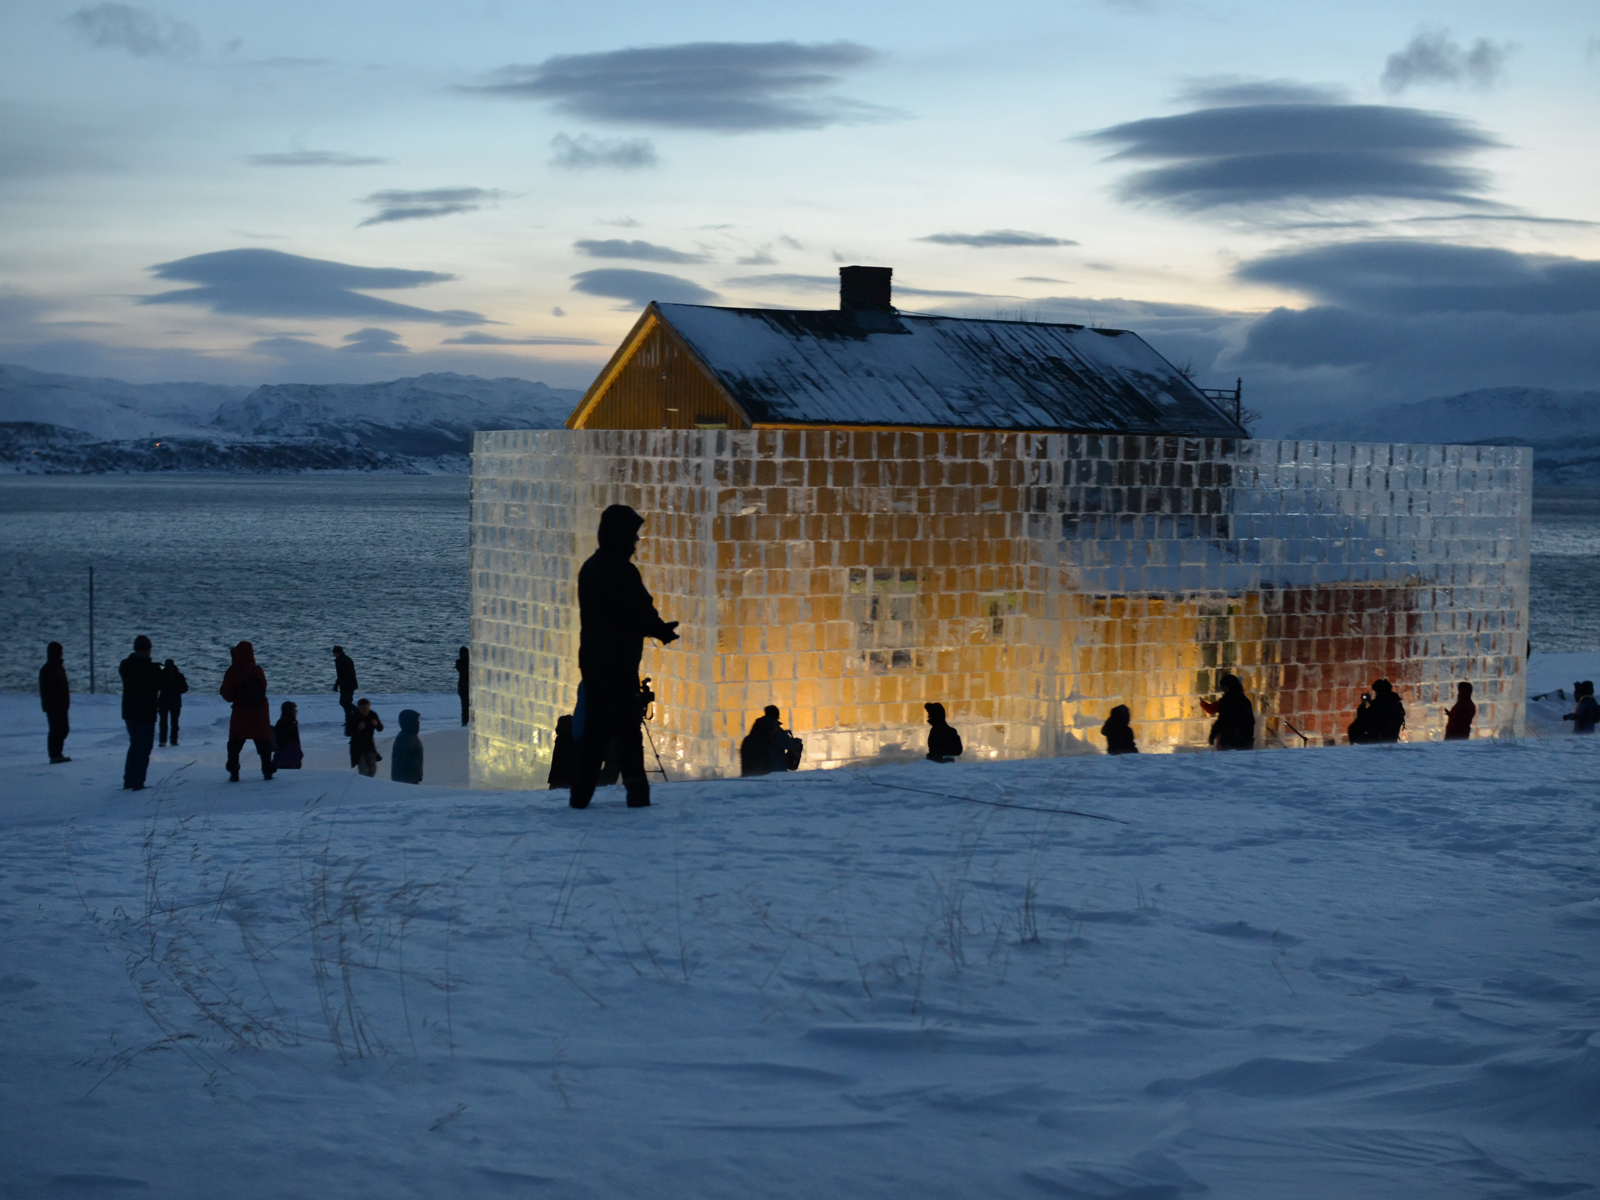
{"type": "Point", "coordinates": [286, 733]}
{"type": "Point", "coordinates": [1458, 720]}
{"type": "Point", "coordinates": [1586, 712]}
{"type": "Point", "coordinates": [405, 764]}
{"type": "Point", "coordinates": [364, 755]}
{"type": "Point", "coordinates": [169, 704]}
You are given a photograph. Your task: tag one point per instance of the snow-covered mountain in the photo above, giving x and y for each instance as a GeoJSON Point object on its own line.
{"type": "Point", "coordinates": [428, 415]}
{"type": "Point", "coordinates": [109, 409]}
{"type": "Point", "coordinates": [69, 424]}
{"type": "Point", "coordinates": [1562, 427]}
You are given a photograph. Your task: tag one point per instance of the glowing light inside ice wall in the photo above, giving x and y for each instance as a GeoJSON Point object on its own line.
{"type": "Point", "coordinates": [1028, 582]}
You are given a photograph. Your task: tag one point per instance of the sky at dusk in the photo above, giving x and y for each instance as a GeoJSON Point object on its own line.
{"type": "Point", "coordinates": [1344, 204]}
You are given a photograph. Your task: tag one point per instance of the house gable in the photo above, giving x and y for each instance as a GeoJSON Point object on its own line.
{"type": "Point", "coordinates": [654, 381]}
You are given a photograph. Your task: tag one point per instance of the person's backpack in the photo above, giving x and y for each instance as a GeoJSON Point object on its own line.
{"type": "Point", "coordinates": [252, 691]}
{"type": "Point", "coordinates": [792, 752]}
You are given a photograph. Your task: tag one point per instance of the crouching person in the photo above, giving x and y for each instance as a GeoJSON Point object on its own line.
{"type": "Point", "coordinates": [769, 747]}
{"type": "Point", "coordinates": [944, 743]}
{"type": "Point", "coordinates": [615, 614]}
{"type": "Point", "coordinates": [1118, 732]}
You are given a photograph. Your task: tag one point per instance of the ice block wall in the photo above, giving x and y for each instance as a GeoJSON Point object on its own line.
{"type": "Point", "coordinates": [1028, 582]}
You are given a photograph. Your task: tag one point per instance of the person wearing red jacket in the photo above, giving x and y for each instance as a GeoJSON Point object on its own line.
{"type": "Point", "coordinates": [245, 687]}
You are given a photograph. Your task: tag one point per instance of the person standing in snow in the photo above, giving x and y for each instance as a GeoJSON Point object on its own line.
{"type": "Point", "coordinates": [170, 702]}
{"type": "Point", "coordinates": [405, 758]}
{"type": "Point", "coordinates": [1458, 720]}
{"type": "Point", "coordinates": [141, 691]}
{"type": "Point", "coordinates": [1235, 724]}
{"type": "Point", "coordinates": [1388, 713]}
{"type": "Point", "coordinates": [287, 755]}
{"type": "Point", "coordinates": [1118, 732]}
{"type": "Point", "coordinates": [245, 687]}
{"type": "Point", "coordinates": [1585, 713]}
{"type": "Point", "coordinates": [615, 614]}
{"type": "Point", "coordinates": [944, 743]}
{"type": "Point", "coordinates": [463, 681]}
{"type": "Point", "coordinates": [364, 723]}
{"type": "Point", "coordinates": [55, 697]}
{"type": "Point", "coordinates": [344, 682]}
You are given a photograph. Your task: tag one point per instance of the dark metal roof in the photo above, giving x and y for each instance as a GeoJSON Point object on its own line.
{"type": "Point", "coordinates": [837, 367]}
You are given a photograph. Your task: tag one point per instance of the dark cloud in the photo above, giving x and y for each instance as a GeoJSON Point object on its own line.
{"type": "Point", "coordinates": [640, 287]}
{"type": "Point", "coordinates": [314, 158]}
{"type": "Point", "coordinates": [584, 153]}
{"type": "Point", "coordinates": [641, 251]}
{"type": "Point", "coordinates": [1220, 90]}
{"type": "Point", "coordinates": [996, 237]}
{"type": "Point", "coordinates": [729, 87]}
{"type": "Point", "coordinates": [795, 283]}
{"type": "Point", "coordinates": [270, 283]}
{"type": "Point", "coordinates": [476, 338]}
{"type": "Point", "coordinates": [140, 32]}
{"type": "Point", "coordinates": [1274, 154]}
{"type": "Point", "coordinates": [757, 258]}
{"type": "Point", "coordinates": [1382, 357]}
{"type": "Point", "coordinates": [396, 205]}
{"type": "Point", "coordinates": [830, 283]}
{"type": "Point", "coordinates": [1395, 276]}
{"type": "Point", "coordinates": [1433, 56]}
{"type": "Point", "coordinates": [1497, 218]}
{"type": "Point", "coordinates": [373, 341]}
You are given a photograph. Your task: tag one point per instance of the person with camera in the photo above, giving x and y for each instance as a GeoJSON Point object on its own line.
{"type": "Point", "coordinates": [615, 614]}
{"type": "Point", "coordinates": [769, 747]}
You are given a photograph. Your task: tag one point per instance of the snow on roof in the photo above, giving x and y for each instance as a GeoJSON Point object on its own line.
{"type": "Point", "coordinates": [837, 367]}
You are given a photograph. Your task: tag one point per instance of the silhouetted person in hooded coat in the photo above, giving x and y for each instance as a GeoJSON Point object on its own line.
{"type": "Point", "coordinates": [1118, 732]}
{"type": "Point", "coordinates": [344, 682]}
{"type": "Point", "coordinates": [944, 743]}
{"type": "Point", "coordinates": [464, 681]}
{"type": "Point", "coordinates": [1458, 720]}
{"type": "Point", "coordinates": [287, 754]}
{"type": "Point", "coordinates": [769, 747]}
{"type": "Point", "coordinates": [1585, 713]}
{"type": "Point", "coordinates": [170, 703]}
{"type": "Point", "coordinates": [1388, 713]}
{"type": "Point", "coordinates": [405, 758]}
{"type": "Point", "coordinates": [615, 614]}
{"type": "Point", "coordinates": [141, 692]}
{"type": "Point", "coordinates": [245, 687]}
{"type": "Point", "coordinates": [55, 698]}
{"type": "Point", "coordinates": [1235, 724]}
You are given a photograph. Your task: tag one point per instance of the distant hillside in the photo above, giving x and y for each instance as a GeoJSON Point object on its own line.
{"type": "Point", "coordinates": [1562, 427]}
{"type": "Point", "coordinates": [55, 424]}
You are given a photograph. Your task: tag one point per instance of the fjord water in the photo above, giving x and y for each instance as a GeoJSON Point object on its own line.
{"type": "Point", "coordinates": [378, 564]}
{"type": "Point", "coordinates": [292, 563]}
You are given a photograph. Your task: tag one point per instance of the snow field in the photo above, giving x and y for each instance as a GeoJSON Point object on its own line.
{"type": "Point", "coordinates": [1356, 972]}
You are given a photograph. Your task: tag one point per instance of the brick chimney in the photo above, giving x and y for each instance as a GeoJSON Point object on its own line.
{"type": "Point", "coordinates": [865, 288]}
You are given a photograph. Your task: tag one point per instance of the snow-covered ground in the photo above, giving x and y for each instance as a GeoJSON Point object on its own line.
{"type": "Point", "coordinates": [1349, 973]}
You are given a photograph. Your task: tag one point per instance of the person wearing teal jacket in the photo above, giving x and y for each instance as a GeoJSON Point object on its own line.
{"type": "Point", "coordinates": [405, 760]}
